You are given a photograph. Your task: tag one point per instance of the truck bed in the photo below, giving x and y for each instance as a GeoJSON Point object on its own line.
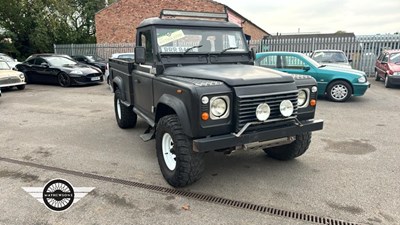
{"type": "Point", "coordinates": [121, 75]}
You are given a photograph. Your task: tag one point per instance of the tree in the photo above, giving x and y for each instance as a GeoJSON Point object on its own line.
{"type": "Point", "coordinates": [35, 25]}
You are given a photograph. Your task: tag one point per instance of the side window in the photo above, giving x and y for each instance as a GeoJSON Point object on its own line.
{"type": "Point", "coordinates": [381, 56]}
{"type": "Point", "coordinates": [292, 62]}
{"type": "Point", "coordinates": [269, 61]}
{"type": "Point", "coordinates": [385, 58]}
{"type": "Point", "coordinates": [31, 61]}
{"type": "Point", "coordinates": [39, 61]}
{"type": "Point", "coordinates": [145, 41]}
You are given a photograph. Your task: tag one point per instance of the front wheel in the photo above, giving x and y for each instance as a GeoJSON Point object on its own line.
{"type": "Point", "coordinates": [387, 82]}
{"type": "Point", "coordinates": [21, 87]}
{"type": "Point", "coordinates": [339, 91]}
{"type": "Point", "coordinates": [64, 80]}
{"type": "Point", "coordinates": [124, 115]}
{"type": "Point", "coordinates": [179, 164]}
{"type": "Point", "coordinates": [292, 150]}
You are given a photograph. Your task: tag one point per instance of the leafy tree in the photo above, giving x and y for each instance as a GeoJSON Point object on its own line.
{"type": "Point", "coordinates": [35, 25]}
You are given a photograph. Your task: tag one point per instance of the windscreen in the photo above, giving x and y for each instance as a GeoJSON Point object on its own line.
{"type": "Point", "coordinates": [178, 40]}
{"type": "Point", "coordinates": [4, 66]}
{"type": "Point", "coordinates": [59, 61]}
{"type": "Point", "coordinates": [330, 57]}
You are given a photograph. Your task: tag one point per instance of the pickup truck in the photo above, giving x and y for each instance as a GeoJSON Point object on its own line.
{"type": "Point", "coordinates": [194, 82]}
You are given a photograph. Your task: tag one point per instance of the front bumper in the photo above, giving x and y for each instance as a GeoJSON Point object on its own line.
{"type": "Point", "coordinates": [86, 80]}
{"type": "Point", "coordinates": [360, 88]}
{"type": "Point", "coordinates": [230, 140]}
{"type": "Point", "coordinates": [395, 80]}
{"type": "Point", "coordinates": [12, 84]}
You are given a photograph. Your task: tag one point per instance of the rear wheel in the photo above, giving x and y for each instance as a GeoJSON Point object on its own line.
{"type": "Point", "coordinates": [292, 150]}
{"type": "Point", "coordinates": [124, 115]}
{"type": "Point", "coordinates": [64, 80]}
{"type": "Point", "coordinates": [339, 91]}
{"type": "Point", "coordinates": [377, 77]}
{"type": "Point", "coordinates": [179, 164]}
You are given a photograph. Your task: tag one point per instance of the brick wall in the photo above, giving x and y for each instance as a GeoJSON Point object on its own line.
{"type": "Point", "coordinates": [118, 22]}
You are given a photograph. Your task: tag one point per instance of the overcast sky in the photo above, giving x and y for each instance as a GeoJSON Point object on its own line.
{"type": "Point", "coordinates": [324, 16]}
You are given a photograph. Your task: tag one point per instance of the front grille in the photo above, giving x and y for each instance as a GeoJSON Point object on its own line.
{"type": "Point", "coordinates": [93, 75]}
{"type": "Point", "coordinates": [246, 110]}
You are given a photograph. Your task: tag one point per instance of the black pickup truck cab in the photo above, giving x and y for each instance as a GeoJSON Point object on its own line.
{"type": "Point", "coordinates": [194, 83]}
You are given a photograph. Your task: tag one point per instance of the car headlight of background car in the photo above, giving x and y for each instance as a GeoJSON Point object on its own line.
{"type": "Point", "coordinates": [22, 76]}
{"type": "Point", "coordinates": [362, 79]}
{"type": "Point", "coordinates": [396, 74]}
{"type": "Point", "coordinates": [77, 72]}
{"type": "Point", "coordinates": [219, 107]}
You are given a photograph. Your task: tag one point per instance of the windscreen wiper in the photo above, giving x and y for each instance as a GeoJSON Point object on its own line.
{"type": "Point", "coordinates": [193, 47]}
{"type": "Point", "coordinates": [230, 48]}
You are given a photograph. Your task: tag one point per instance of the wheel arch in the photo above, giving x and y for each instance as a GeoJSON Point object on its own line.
{"type": "Point", "coordinates": [118, 84]}
{"type": "Point", "coordinates": [168, 105]}
{"type": "Point", "coordinates": [340, 79]}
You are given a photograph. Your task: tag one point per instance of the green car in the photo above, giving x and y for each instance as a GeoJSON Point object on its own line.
{"type": "Point", "coordinates": [337, 83]}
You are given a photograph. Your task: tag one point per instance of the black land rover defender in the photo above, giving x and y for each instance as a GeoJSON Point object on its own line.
{"type": "Point", "coordinates": [193, 81]}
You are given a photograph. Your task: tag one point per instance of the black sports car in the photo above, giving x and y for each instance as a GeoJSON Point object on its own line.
{"type": "Point", "coordinates": [91, 60]}
{"type": "Point", "coordinates": [58, 69]}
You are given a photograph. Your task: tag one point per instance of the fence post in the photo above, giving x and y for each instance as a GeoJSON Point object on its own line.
{"type": "Point", "coordinates": [55, 48]}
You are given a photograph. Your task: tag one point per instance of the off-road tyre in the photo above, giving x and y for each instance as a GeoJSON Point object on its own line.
{"type": "Point", "coordinates": [292, 150]}
{"type": "Point", "coordinates": [189, 164]}
{"type": "Point", "coordinates": [124, 115]}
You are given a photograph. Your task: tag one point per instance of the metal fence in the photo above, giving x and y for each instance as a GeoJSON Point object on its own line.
{"type": "Point", "coordinates": [363, 50]}
{"type": "Point", "coordinates": [103, 50]}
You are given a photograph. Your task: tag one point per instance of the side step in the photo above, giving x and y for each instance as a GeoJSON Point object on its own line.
{"type": "Point", "coordinates": [148, 134]}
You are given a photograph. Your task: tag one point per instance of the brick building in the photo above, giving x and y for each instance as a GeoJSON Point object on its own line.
{"type": "Point", "coordinates": [117, 23]}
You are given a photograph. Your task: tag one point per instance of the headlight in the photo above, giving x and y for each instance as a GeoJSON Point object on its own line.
{"type": "Point", "coordinates": [286, 108]}
{"type": "Point", "coordinates": [76, 72]}
{"type": "Point", "coordinates": [22, 76]}
{"type": "Point", "coordinates": [219, 107]}
{"type": "Point", "coordinates": [263, 111]}
{"type": "Point", "coordinates": [396, 74]}
{"type": "Point", "coordinates": [302, 99]}
{"type": "Point", "coordinates": [362, 79]}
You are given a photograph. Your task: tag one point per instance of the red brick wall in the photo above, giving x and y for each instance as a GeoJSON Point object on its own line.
{"type": "Point", "coordinates": [118, 22]}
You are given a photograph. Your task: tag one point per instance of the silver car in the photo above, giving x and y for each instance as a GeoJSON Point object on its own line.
{"type": "Point", "coordinates": [331, 58]}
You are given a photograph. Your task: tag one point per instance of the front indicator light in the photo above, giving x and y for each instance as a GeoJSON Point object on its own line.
{"type": "Point", "coordinates": [205, 116]}
{"type": "Point", "coordinates": [313, 102]}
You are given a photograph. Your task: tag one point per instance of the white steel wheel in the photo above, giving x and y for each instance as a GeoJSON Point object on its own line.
{"type": "Point", "coordinates": [169, 157]}
{"type": "Point", "coordinates": [119, 108]}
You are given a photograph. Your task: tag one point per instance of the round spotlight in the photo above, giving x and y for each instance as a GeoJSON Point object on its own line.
{"type": "Point", "coordinates": [286, 108]}
{"type": "Point", "coordinates": [314, 89]}
{"type": "Point", "coordinates": [204, 100]}
{"type": "Point", "coordinates": [263, 111]}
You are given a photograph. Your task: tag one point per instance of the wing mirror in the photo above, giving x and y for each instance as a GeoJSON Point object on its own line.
{"type": "Point", "coordinates": [140, 54]}
{"type": "Point", "coordinates": [306, 68]}
{"type": "Point", "coordinates": [350, 60]}
{"type": "Point", "coordinates": [44, 65]}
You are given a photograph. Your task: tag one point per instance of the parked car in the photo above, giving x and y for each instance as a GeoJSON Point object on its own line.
{"type": "Point", "coordinates": [10, 61]}
{"type": "Point", "coordinates": [128, 56]}
{"type": "Point", "coordinates": [59, 70]}
{"type": "Point", "coordinates": [91, 60]}
{"type": "Point", "coordinates": [338, 83]}
{"type": "Point", "coordinates": [11, 78]}
{"type": "Point", "coordinates": [331, 58]}
{"type": "Point", "coordinates": [387, 67]}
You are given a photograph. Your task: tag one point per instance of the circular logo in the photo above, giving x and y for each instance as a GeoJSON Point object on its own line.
{"type": "Point", "coordinates": [58, 195]}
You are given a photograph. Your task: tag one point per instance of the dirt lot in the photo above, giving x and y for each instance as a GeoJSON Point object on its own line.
{"type": "Point", "coordinates": [351, 171]}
